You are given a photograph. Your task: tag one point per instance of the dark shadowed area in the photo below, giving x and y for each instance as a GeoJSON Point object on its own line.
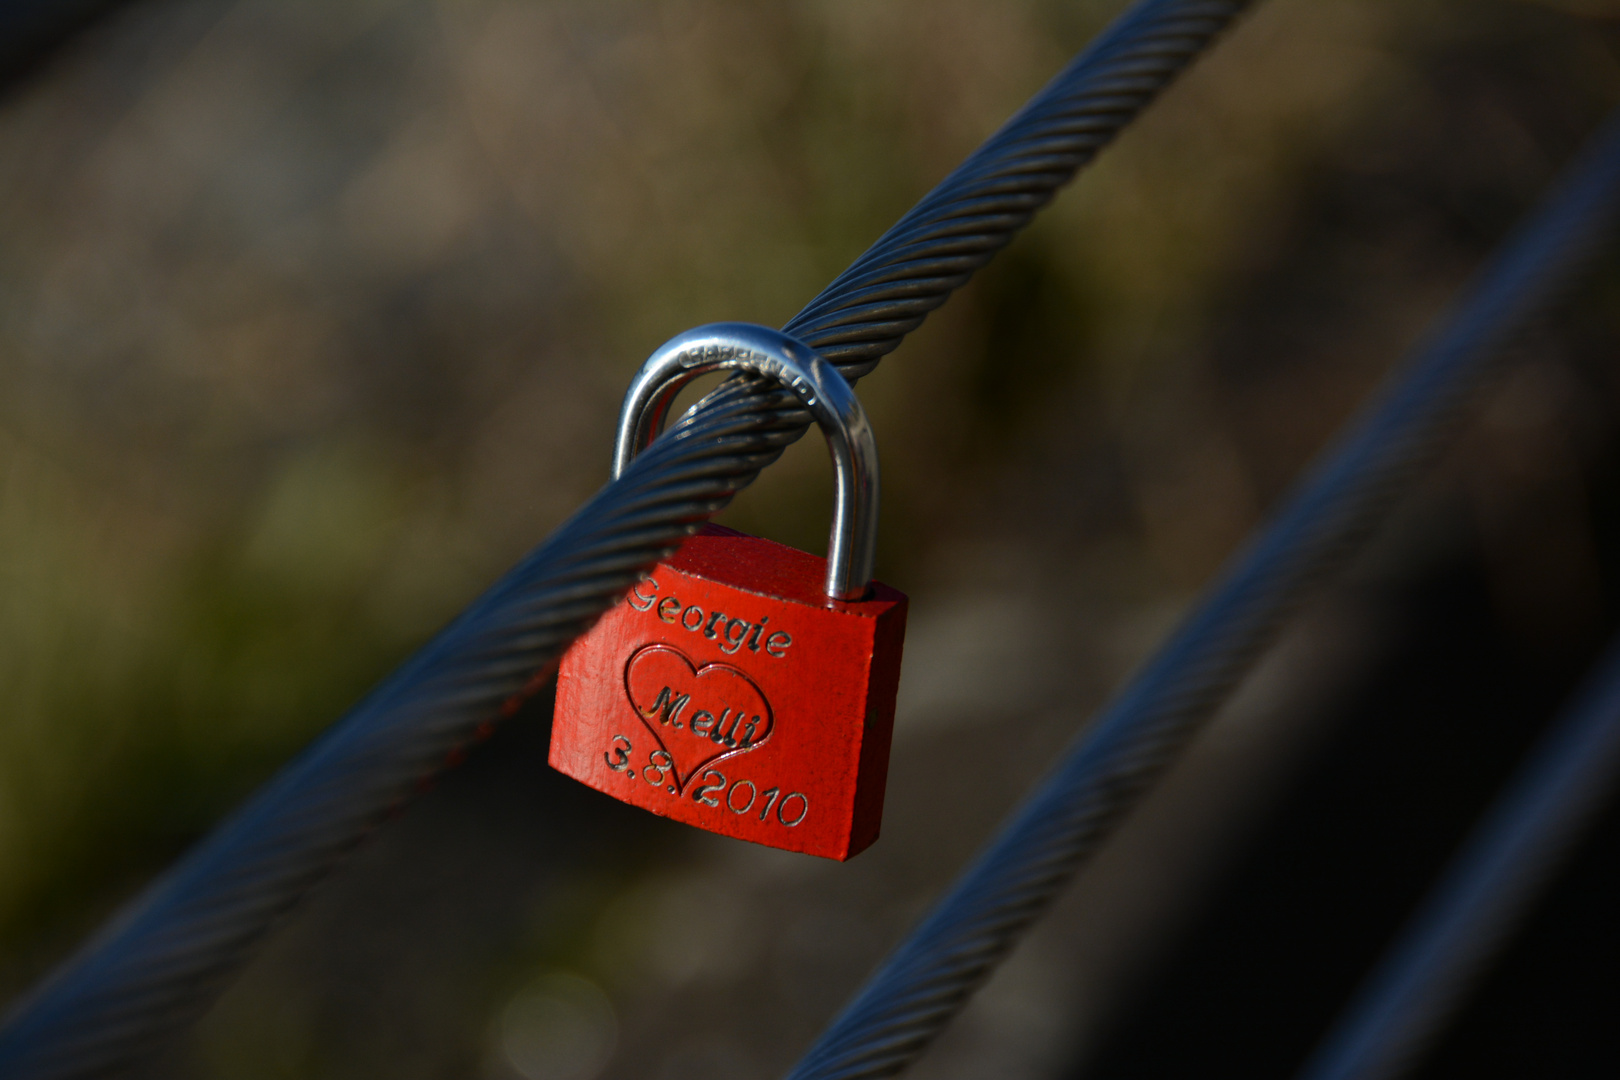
{"type": "Point", "coordinates": [315, 317]}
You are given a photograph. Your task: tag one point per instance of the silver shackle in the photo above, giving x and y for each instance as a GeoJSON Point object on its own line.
{"type": "Point", "coordinates": [819, 388]}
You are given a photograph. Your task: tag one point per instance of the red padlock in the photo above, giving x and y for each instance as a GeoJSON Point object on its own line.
{"type": "Point", "coordinates": [743, 686]}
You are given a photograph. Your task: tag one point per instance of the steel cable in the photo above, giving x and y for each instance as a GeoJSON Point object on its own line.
{"type": "Point", "coordinates": [1495, 877]}
{"type": "Point", "coordinates": [931, 975]}
{"type": "Point", "coordinates": [162, 960]}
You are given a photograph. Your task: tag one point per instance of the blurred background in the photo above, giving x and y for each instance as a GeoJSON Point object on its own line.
{"type": "Point", "coordinates": [315, 316]}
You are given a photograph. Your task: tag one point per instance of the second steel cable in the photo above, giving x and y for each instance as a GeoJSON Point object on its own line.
{"type": "Point", "coordinates": [931, 975]}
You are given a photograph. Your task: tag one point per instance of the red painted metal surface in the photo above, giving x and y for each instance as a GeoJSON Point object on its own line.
{"type": "Point", "coordinates": [728, 692]}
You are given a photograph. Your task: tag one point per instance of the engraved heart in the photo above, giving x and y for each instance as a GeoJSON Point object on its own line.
{"type": "Point", "coordinates": [698, 715]}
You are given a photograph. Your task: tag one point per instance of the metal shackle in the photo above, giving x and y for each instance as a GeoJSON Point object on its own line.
{"type": "Point", "coordinates": [820, 389]}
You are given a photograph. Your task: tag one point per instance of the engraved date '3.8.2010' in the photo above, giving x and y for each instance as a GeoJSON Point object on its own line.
{"type": "Point", "coordinates": [740, 796]}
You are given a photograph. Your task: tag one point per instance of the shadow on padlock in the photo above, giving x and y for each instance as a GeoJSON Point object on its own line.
{"type": "Point", "coordinates": [744, 686]}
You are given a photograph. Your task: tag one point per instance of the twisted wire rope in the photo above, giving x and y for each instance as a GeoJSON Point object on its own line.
{"type": "Point", "coordinates": [163, 959]}
{"type": "Point", "coordinates": [931, 975]}
{"type": "Point", "coordinates": [1491, 884]}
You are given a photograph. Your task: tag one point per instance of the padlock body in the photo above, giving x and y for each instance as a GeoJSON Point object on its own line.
{"type": "Point", "coordinates": [728, 692]}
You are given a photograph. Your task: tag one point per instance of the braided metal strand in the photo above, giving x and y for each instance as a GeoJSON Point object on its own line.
{"type": "Point", "coordinates": [166, 956]}
{"type": "Point", "coordinates": [928, 979]}
{"type": "Point", "coordinates": [974, 212]}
